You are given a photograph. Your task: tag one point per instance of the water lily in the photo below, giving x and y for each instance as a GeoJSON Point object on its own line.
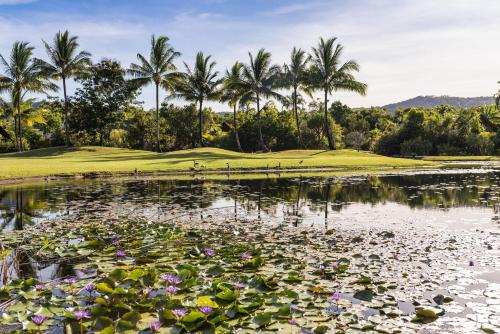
{"type": "Point", "coordinates": [172, 279]}
{"type": "Point", "coordinates": [70, 280]}
{"type": "Point", "coordinates": [80, 315]}
{"type": "Point", "coordinates": [40, 287]}
{"type": "Point", "coordinates": [115, 243]}
{"type": "Point", "coordinates": [205, 309]}
{"type": "Point", "coordinates": [90, 288]}
{"type": "Point", "coordinates": [154, 326]}
{"type": "Point", "coordinates": [38, 319]}
{"type": "Point", "coordinates": [239, 285]}
{"type": "Point", "coordinates": [246, 256]}
{"type": "Point", "coordinates": [172, 290]}
{"type": "Point", "coordinates": [209, 252]}
{"type": "Point", "coordinates": [335, 265]}
{"type": "Point", "coordinates": [335, 297]}
{"type": "Point", "coordinates": [292, 322]}
{"type": "Point", "coordinates": [121, 253]}
{"type": "Point", "coordinates": [179, 312]}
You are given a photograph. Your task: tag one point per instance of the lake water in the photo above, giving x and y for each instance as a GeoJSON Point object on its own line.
{"type": "Point", "coordinates": [442, 225]}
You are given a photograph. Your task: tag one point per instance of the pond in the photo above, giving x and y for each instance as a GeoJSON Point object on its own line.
{"type": "Point", "coordinates": [411, 251]}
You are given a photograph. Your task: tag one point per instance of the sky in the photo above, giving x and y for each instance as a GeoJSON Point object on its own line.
{"type": "Point", "coordinates": [405, 48]}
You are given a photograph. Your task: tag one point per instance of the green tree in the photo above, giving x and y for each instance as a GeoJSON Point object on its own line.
{"type": "Point", "coordinates": [295, 77]}
{"type": "Point", "coordinates": [329, 75]}
{"type": "Point", "coordinates": [22, 75]}
{"type": "Point", "coordinates": [159, 70]}
{"type": "Point", "coordinates": [200, 84]}
{"type": "Point", "coordinates": [100, 103]}
{"type": "Point", "coordinates": [232, 94]}
{"type": "Point", "coordinates": [259, 81]}
{"type": "Point", "coordinates": [64, 63]}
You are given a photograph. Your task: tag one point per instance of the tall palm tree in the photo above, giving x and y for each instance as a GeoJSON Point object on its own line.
{"type": "Point", "coordinates": [295, 77]}
{"type": "Point", "coordinates": [22, 75]}
{"type": "Point", "coordinates": [64, 63]}
{"type": "Point", "coordinates": [329, 75]}
{"type": "Point", "coordinates": [200, 84]}
{"type": "Point", "coordinates": [159, 69]}
{"type": "Point", "coordinates": [232, 94]}
{"type": "Point", "coordinates": [259, 80]}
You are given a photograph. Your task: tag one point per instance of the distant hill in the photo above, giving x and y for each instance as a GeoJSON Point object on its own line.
{"type": "Point", "coordinates": [433, 101]}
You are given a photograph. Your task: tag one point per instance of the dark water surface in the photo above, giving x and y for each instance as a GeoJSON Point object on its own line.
{"type": "Point", "coordinates": [423, 210]}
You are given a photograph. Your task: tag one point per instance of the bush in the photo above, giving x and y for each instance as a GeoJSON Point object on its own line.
{"type": "Point", "coordinates": [416, 146]}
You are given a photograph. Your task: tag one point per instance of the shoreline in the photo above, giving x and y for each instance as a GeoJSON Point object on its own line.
{"type": "Point", "coordinates": [109, 175]}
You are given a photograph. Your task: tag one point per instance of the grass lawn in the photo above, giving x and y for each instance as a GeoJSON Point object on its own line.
{"type": "Point", "coordinates": [462, 158]}
{"type": "Point", "coordinates": [70, 161]}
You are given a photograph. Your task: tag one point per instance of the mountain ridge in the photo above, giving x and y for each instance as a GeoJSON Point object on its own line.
{"type": "Point", "coordinates": [432, 101]}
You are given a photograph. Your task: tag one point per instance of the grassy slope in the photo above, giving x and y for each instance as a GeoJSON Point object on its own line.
{"type": "Point", "coordinates": [56, 161]}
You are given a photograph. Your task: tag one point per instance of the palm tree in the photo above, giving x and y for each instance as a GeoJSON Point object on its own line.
{"type": "Point", "coordinates": [200, 84]}
{"type": "Point", "coordinates": [232, 94]}
{"type": "Point", "coordinates": [64, 63]}
{"type": "Point", "coordinates": [259, 81]}
{"type": "Point", "coordinates": [22, 75]}
{"type": "Point", "coordinates": [159, 70]}
{"type": "Point", "coordinates": [329, 75]}
{"type": "Point", "coordinates": [295, 77]}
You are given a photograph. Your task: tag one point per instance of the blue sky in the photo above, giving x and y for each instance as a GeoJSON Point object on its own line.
{"type": "Point", "coordinates": [405, 47]}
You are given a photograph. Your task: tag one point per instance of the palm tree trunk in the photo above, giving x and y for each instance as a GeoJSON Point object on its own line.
{"type": "Point", "coordinates": [235, 125]}
{"type": "Point", "coordinates": [331, 141]}
{"type": "Point", "coordinates": [263, 146]}
{"type": "Point", "coordinates": [16, 134]}
{"type": "Point", "coordinates": [19, 126]}
{"type": "Point", "coordinates": [296, 113]}
{"type": "Point", "coordinates": [66, 112]}
{"type": "Point", "coordinates": [158, 147]}
{"type": "Point", "coordinates": [200, 123]}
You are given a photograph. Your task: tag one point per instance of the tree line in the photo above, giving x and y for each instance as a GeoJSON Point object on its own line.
{"type": "Point", "coordinates": [273, 107]}
{"type": "Point", "coordinates": [255, 82]}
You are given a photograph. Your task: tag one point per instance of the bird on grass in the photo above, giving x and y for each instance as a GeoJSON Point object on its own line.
{"type": "Point", "coordinates": [301, 162]}
{"type": "Point", "coordinates": [195, 164]}
{"type": "Point", "coordinates": [227, 164]}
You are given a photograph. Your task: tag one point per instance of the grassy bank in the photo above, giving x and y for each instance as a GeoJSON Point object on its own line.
{"type": "Point", "coordinates": [462, 158]}
{"type": "Point", "coordinates": [72, 161]}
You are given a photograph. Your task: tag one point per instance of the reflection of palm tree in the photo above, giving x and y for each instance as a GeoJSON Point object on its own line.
{"type": "Point", "coordinates": [18, 207]}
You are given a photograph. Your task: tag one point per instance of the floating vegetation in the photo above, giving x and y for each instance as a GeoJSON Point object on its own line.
{"type": "Point", "coordinates": [118, 271]}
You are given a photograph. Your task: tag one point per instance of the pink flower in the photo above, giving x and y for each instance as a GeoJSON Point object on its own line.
{"type": "Point", "coordinates": [209, 252]}
{"type": "Point", "coordinates": [80, 315]}
{"type": "Point", "coordinates": [246, 256]}
{"type": "Point", "coordinates": [335, 297]}
{"type": "Point", "coordinates": [179, 312]}
{"type": "Point", "coordinates": [172, 290]}
{"type": "Point", "coordinates": [154, 326]}
{"type": "Point", "coordinates": [121, 253]}
{"type": "Point", "coordinates": [38, 319]}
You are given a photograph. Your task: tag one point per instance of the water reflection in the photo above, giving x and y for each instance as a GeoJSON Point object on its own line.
{"type": "Point", "coordinates": [289, 199]}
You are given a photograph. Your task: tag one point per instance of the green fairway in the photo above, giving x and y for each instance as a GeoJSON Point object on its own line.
{"type": "Point", "coordinates": [72, 161]}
